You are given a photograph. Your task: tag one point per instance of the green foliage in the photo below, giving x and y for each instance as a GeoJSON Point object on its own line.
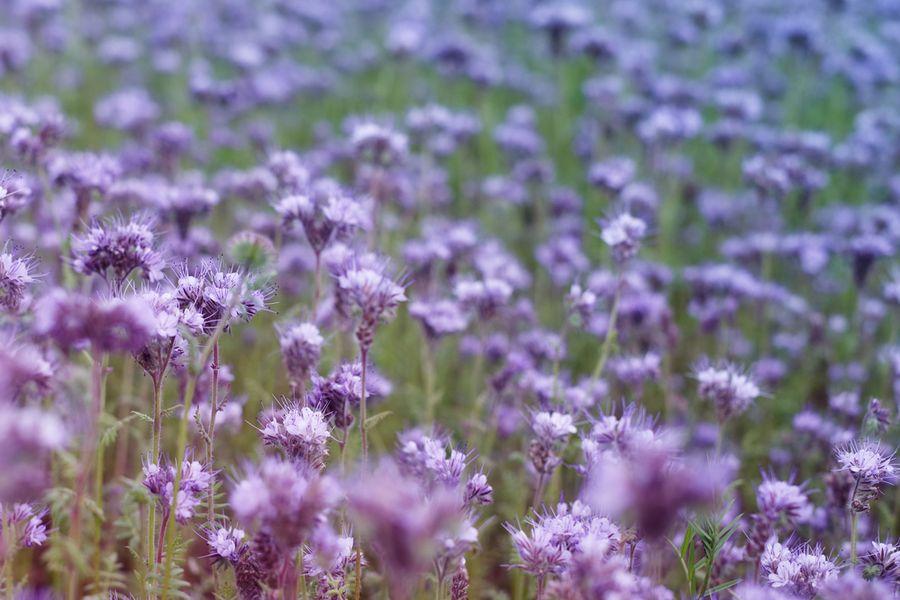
{"type": "Point", "coordinates": [704, 538]}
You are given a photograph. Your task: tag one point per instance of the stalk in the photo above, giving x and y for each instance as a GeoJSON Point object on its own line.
{"type": "Point", "coordinates": [156, 445]}
{"type": "Point", "coordinates": [363, 355]}
{"type": "Point", "coordinates": [182, 446]}
{"type": "Point", "coordinates": [210, 443]}
{"type": "Point", "coordinates": [610, 335]}
{"type": "Point", "coordinates": [854, 516]}
{"type": "Point", "coordinates": [101, 372]}
{"type": "Point", "coordinates": [428, 375]}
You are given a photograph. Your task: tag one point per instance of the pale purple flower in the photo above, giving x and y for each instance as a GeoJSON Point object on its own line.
{"type": "Point", "coordinates": [301, 346]}
{"type": "Point", "coordinates": [623, 234]}
{"type": "Point", "coordinates": [17, 273]}
{"type": "Point", "coordinates": [730, 391]}
{"type": "Point", "coordinates": [871, 466]}
{"type": "Point", "coordinates": [113, 249]}
{"type": "Point", "coordinates": [302, 433]}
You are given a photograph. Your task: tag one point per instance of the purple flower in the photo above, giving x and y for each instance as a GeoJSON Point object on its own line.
{"type": "Point", "coordinates": [802, 571]}
{"type": "Point", "coordinates": [365, 286]}
{"type": "Point", "coordinates": [301, 433]}
{"type": "Point", "coordinates": [285, 499]}
{"type": "Point", "coordinates": [115, 248]}
{"type": "Point", "coordinates": [778, 499]}
{"type": "Point", "coordinates": [16, 274]}
{"type": "Point", "coordinates": [75, 321]}
{"type": "Point", "coordinates": [403, 524]}
{"type": "Point", "coordinates": [439, 317]}
{"type": "Point", "coordinates": [226, 543]}
{"type": "Point", "coordinates": [730, 391]}
{"type": "Point", "coordinates": [871, 466]}
{"type": "Point", "coordinates": [196, 478]}
{"type": "Point", "coordinates": [301, 345]}
{"type": "Point", "coordinates": [623, 235]}
{"type": "Point", "coordinates": [14, 194]}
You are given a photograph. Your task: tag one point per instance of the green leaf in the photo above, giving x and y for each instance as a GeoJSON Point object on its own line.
{"type": "Point", "coordinates": [376, 419]}
{"type": "Point", "coordinates": [142, 416]}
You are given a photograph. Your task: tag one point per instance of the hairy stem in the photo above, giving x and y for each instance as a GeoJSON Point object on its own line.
{"type": "Point", "coordinates": [189, 392]}
{"type": "Point", "coordinates": [363, 355]}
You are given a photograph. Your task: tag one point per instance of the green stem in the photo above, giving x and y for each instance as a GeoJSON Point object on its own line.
{"type": "Point", "coordinates": [189, 392]}
{"type": "Point", "coordinates": [428, 375]}
{"type": "Point", "coordinates": [606, 349]}
{"type": "Point", "coordinates": [363, 355]}
{"type": "Point", "coordinates": [100, 375]}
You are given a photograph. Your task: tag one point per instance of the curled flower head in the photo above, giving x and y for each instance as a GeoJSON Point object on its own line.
{"type": "Point", "coordinates": [16, 274]}
{"type": "Point", "coordinates": [782, 499]}
{"type": "Point", "coordinates": [226, 543]}
{"type": "Point", "coordinates": [14, 193]}
{"type": "Point", "coordinates": [113, 249]}
{"type": "Point", "coordinates": [730, 390]}
{"type": "Point", "coordinates": [285, 499]}
{"type": "Point", "coordinates": [872, 467]}
{"type": "Point", "coordinates": [76, 321]}
{"type": "Point", "coordinates": [301, 345]}
{"type": "Point", "coordinates": [196, 478]}
{"type": "Point", "coordinates": [301, 433]}
{"type": "Point", "coordinates": [365, 285]}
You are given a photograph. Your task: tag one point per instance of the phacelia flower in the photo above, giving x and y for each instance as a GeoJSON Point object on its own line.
{"type": "Point", "coordinates": [301, 433]}
{"type": "Point", "coordinates": [16, 274]}
{"type": "Point", "coordinates": [730, 391]}
{"type": "Point", "coordinates": [623, 235]}
{"type": "Point", "coordinates": [113, 249]}
{"type": "Point", "coordinates": [871, 466]}
{"type": "Point", "coordinates": [301, 345]}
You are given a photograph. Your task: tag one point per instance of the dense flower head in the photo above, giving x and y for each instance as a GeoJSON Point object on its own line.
{"type": "Point", "coordinates": [113, 249]}
{"type": "Point", "coordinates": [778, 499]}
{"type": "Point", "coordinates": [439, 317]}
{"type": "Point", "coordinates": [196, 478]}
{"type": "Point", "coordinates": [623, 235]}
{"type": "Point", "coordinates": [405, 524]}
{"type": "Point", "coordinates": [324, 211]}
{"type": "Point", "coordinates": [220, 295]}
{"type": "Point", "coordinates": [17, 273]}
{"type": "Point", "coordinates": [301, 346]}
{"type": "Point", "coordinates": [28, 437]}
{"type": "Point", "coordinates": [801, 570]}
{"type": "Point", "coordinates": [14, 194]}
{"type": "Point", "coordinates": [365, 286]}
{"type": "Point", "coordinates": [283, 498]}
{"type": "Point", "coordinates": [652, 486]}
{"type": "Point", "coordinates": [377, 143]}
{"type": "Point", "coordinates": [871, 466]}
{"type": "Point", "coordinates": [226, 543]}
{"type": "Point", "coordinates": [77, 321]}
{"type": "Point", "coordinates": [730, 390]}
{"type": "Point", "coordinates": [302, 433]}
